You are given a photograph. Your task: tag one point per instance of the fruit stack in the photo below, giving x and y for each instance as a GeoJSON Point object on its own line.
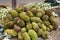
{"type": "Point", "coordinates": [29, 23]}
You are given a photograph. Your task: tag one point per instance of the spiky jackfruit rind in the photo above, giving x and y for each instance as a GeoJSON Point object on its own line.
{"type": "Point", "coordinates": [40, 32]}
{"type": "Point", "coordinates": [36, 19]}
{"type": "Point", "coordinates": [23, 29]}
{"type": "Point", "coordinates": [47, 23]}
{"type": "Point", "coordinates": [14, 13]}
{"type": "Point", "coordinates": [9, 24]}
{"type": "Point", "coordinates": [29, 26]}
{"type": "Point", "coordinates": [24, 16]}
{"type": "Point", "coordinates": [45, 35]}
{"type": "Point", "coordinates": [11, 32]}
{"type": "Point", "coordinates": [33, 34]}
{"type": "Point", "coordinates": [35, 26]}
{"type": "Point", "coordinates": [26, 36]}
{"type": "Point", "coordinates": [20, 22]}
{"type": "Point", "coordinates": [20, 9]}
{"type": "Point", "coordinates": [20, 36]}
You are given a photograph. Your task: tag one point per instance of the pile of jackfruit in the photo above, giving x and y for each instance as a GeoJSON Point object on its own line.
{"type": "Point", "coordinates": [29, 23]}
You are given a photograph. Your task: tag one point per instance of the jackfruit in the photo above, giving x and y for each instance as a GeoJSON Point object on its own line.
{"type": "Point", "coordinates": [40, 32]}
{"type": "Point", "coordinates": [29, 26]}
{"type": "Point", "coordinates": [36, 19]}
{"type": "Point", "coordinates": [20, 9]}
{"type": "Point", "coordinates": [45, 35]}
{"type": "Point", "coordinates": [20, 36]}
{"type": "Point", "coordinates": [24, 16]}
{"type": "Point", "coordinates": [11, 32]}
{"type": "Point", "coordinates": [14, 13]}
{"type": "Point", "coordinates": [30, 14]}
{"type": "Point", "coordinates": [26, 36]}
{"type": "Point", "coordinates": [35, 26]}
{"type": "Point", "coordinates": [45, 17]}
{"type": "Point", "coordinates": [47, 23]}
{"type": "Point", "coordinates": [43, 27]}
{"type": "Point", "coordinates": [39, 14]}
{"type": "Point", "coordinates": [20, 22]}
{"type": "Point", "coordinates": [33, 35]}
{"type": "Point", "coordinates": [23, 29]}
{"type": "Point", "coordinates": [17, 28]}
{"type": "Point", "coordinates": [9, 24]}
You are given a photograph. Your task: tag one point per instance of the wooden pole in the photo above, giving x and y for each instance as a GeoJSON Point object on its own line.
{"type": "Point", "coordinates": [13, 4]}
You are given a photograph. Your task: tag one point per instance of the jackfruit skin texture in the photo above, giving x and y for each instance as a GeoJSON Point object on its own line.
{"type": "Point", "coordinates": [9, 17]}
{"type": "Point", "coordinates": [30, 14]}
{"type": "Point", "coordinates": [33, 35]}
{"type": "Point", "coordinates": [24, 16]}
{"type": "Point", "coordinates": [43, 27]}
{"type": "Point", "coordinates": [40, 32]}
{"type": "Point", "coordinates": [35, 26]}
{"type": "Point", "coordinates": [11, 32]}
{"type": "Point", "coordinates": [39, 14]}
{"type": "Point", "coordinates": [48, 29]}
{"type": "Point", "coordinates": [20, 9]}
{"type": "Point", "coordinates": [47, 23]}
{"type": "Point", "coordinates": [17, 28]}
{"type": "Point", "coordinates": [9, 24]}
{"type": "Point", "coordinates": [20, 22]}
{"type": "Point", "coordinates": [42, 11]}
{"type": "Point", "coordinates": [26, 36]}
{"type": "Point", "coordinates": [16, 19]}
{"type": "Point", "coordinates": [34, 10]}
{"type": "Point", "coordinates": [13, 13]}
{"type": "Point", "coordinates": [45, 35]}
{"type": "Point", "coordinates": [51, 27]}
{"type": "Point", "coordinates": [29, 26]}
{"type": "Point", "coordinates": [20, 36]}
{"type": "Point", "coordinates": [36, 19]}
{"type": "Point", "coordinates": [39, 24]}
{"type": "Point", "coordinates": [45, 17]}
{"type": "Point", "coordinates": [53, 22]}
{"type": "Point", "coordinates": [48, 12]}
{"type": "Point", "coordinates": [23, 29]}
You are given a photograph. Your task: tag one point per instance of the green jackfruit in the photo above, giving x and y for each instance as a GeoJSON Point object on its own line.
{"type": "Point", "coordinates": [39, 14]}
{"type": "Point", "coordinates": [47, 23]}
{"type": "Point", "coordinates": [9, 17]}
{"type": "Point", "coordinates": [23, 30]}
{"type": "Point", "coordinates": [33, 35]}
{"type": "Point", "coordinates": [21, 23]}
{"type": "Point", "coordinates": [43, 27]}
{"type": "Point", "coordinates": [53, 22]}
{"type": "Point", "coordinates": [36, 19]}
{"type": "Point", "coordinates": [20, 9]}
{"type": "Point", "coordinates": [35, 26]}
{"type": "Point", "coordinates": [51, 27]}
{"type": "Point", "coordinates": [29, 26]}
{"type": "Point", "coordinates": [41, 11]}
{"type": "Point", "coordinates": [17, 28]}
{"type": "Point", "coordinates": [48, 12]}
{"type": "Point", "coordinates": [39, 24]}
{"type": "Point", "coordinates": [30, 14]}
{"type": "Point", "coordinates": [45, 35]}
{"type": "Point", "coordinates": [48, 29]}
{"type": "Point", "coordinates": [20, 36]}
{"type": "Point", "coordinates": [14, 13]}
{"type": "Point", "coordinates": [24, 16]}
{"type": "Point", "coordinates": [11, 32]}
{"type": "Point", "coordinates": [45, 17]}
{"type": "Point", "coordinates": [40, 32]}
{"type": "Point", "coordinates": [9, 24]}
{"type": "Point", "coordinates": [26, 36]}
{"type": "Point", "coordinates": [34, 10]}
{"type": "Point", "coordinates": [16, 19]}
